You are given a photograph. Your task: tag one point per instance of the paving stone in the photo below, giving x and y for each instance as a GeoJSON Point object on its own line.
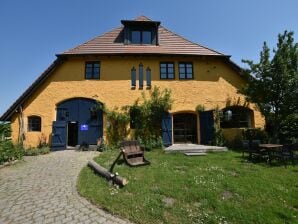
{"type": "Point", "coordinates": [42, 189]}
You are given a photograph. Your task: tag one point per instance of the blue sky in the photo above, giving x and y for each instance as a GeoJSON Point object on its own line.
{"type": "Point", "coordinates": [33, 31]}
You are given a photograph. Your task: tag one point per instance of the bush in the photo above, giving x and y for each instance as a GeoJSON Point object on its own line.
{"type": "Point", "coordinates": [289, 129]}
{"type": "Point", "coordinates": [5, 131]}
{"type": "Point", "coordinates": [9, 152]}
{"type": "Point", "coordinates": [37, 151]}
{"type": "Point", "coordinates": [103, 146]}
{"type": "Point", "coordinates": [151, 142]}
{"type": "Point", "coordinates": [236, 143]}
{"type": "Point", "coordinates": [255, 134]}
{"type": "Point", "coordinates": [117, 124]}
{"type": "Point", "coordinates": [148, 117]}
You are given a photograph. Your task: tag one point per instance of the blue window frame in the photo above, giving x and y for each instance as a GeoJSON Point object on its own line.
{"type": "Point", "coordinates": [167, 70]}
{"type": "Point", "coordinates": [185, 70]}
{"type": "Point", "coordinates": [92, 70]}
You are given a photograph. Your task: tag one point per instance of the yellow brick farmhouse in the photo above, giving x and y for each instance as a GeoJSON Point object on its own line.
{"type": "Point", "coordinates": [114, 69]}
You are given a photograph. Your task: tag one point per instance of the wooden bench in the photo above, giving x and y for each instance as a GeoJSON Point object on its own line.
{"type": "Point", "coordinates": [133, 153]}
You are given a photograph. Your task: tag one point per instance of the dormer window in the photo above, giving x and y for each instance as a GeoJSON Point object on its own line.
{"type": "Point", "coordinates": [141, 37]}
{"type": "Point", "coordinates": [140, 32]}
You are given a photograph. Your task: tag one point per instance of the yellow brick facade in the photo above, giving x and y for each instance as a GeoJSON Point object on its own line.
{"type": "Point", "coordinates": [215, 84]}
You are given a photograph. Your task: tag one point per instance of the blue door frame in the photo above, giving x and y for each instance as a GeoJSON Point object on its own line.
{"type": "Point", "coordinates": [80, 110]}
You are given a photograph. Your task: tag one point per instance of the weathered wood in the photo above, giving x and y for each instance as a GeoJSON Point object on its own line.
{"type": "Point", "coordinates": [105, 173]}
{"type": "Point", "coordinates": [133, 153]}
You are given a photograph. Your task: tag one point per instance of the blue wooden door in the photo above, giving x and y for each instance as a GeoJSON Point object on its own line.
{"type": "Point", "coordinates": [167, 129]}
{"type": "Point", "coordinates": [79, 110]}
{"type": "Point", "coordinates": [59, 135]}
{"type": "Point", "coordinates": [206, 127]}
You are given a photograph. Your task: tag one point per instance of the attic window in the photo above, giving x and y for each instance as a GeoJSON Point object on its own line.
{"type": "Point", "coordinates": [141, 37]}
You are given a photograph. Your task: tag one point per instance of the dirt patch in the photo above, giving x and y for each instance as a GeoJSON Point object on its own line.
{"type": "Point", "coordinates": [226, 195]}
{"type": "Point", "coordinates": [169, 202]}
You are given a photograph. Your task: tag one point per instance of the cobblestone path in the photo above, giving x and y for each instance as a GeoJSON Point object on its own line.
{"type": "Point", "coordinates": [42, 189]}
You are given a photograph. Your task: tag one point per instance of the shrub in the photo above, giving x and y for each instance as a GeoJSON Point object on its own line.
{"type": "Point", "coordinates": [148, 115]}
{"type": "Point", "coordinates": [5, 131]}
{"type": "Point", "coordinates": [151, 142]}
{"type": "Point", "coordinates": [117, 124]}
{"type": "Point", "coordinates": [37, 151]}
{"type": "Point", "coordinates": [255, 133]}
{"type": "Point", "coordinates": [9, 152]}
{"type": "Point", "coordinates": [289, 130]}
{"type": "Point", "coordinates": [218, 137]}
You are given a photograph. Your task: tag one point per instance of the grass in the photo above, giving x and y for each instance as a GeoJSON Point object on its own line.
{"type": "Point", "coordinates": [217, 188]}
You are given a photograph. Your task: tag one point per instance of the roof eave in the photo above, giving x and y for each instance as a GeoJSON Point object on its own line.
{"type": "Point", "coordinates": [63, 55]}
{"type": "Point", "coordinates": [134, 22]}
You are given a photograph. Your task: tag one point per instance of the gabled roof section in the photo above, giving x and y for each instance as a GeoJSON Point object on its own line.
{"type": "Point", "coordinates": [169, 43]}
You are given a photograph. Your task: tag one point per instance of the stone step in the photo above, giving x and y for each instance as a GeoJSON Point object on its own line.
{"type": "Point", "coordinates": [195, 154]}
{"type": "Point", "coordinates": [194, 148]}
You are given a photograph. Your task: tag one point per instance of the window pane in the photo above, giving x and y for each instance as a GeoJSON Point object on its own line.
{"type": "Point", "coordinates": [96, 70]}
{"type": "Point", "coordinates": [182, 66]}
{"type": "Point", "coordinates": [170, 65]}
{"type": "Point", "coordinates": [88, 75]}
{"type": "Point", "coordinates": [182, 76]}
{"type": "Point", "coordinates": [181, 70]}
{"type": "Point", "coordinates": [189, 65]}
{"type": "Point", "coordinates": [146, 37]}
{"type": "Point", "coordinates": [96, 65]}
{"type": "Point", "coordinates": [136, 37]}
{"type": "Point", "coordinates": [171, 75]}
{"type": "Point", "coordinates": [163, 65]}
{"type": "Point", "coordinates": [88, 70]}
{"type": "Point", "coordinates": [34, 123]}
{"type": "Point", "coordinates": [163, 70]}
{"type": "Point", "coordinates": [171, 70]}
{"type": "Point", "coordinates": [163, 75]}
{"type": "Point", "coordinates": [189, 70]}
{"type": "Point", "coordinates": [96, 76]}
{"type": "Point", "coordinates": [88, 65]}
{"type": "Point", "coordinates": [189, 76]}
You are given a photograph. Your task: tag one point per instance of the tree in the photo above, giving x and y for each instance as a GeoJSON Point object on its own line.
{"type": "Point", "coordinates": [273, 84]}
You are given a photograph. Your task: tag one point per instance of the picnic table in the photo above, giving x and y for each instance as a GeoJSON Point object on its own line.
{"type": "Point", "coordinates": [272, 150]}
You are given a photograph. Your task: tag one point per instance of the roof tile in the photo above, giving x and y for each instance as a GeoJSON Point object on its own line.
{"type": "Point", "coordinates": [169, 43]}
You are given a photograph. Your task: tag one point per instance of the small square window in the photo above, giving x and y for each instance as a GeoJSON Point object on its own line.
{"type": "Point", "coordinates": [34, 123]}
{"type": "Point", "coordinates": [92, 70]}
{"type": "Point", "coordinates": [167, 70]}
{"type": "Point", "coordinates": [185, 70]}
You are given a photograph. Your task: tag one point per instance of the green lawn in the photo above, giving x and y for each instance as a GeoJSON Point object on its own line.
{"type": "Point", "coordinates": [217, 188]}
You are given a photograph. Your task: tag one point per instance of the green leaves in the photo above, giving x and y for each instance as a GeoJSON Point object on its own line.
{"type": "Point", "coordinates": [150, 115]}
{"type": "Point", "coordinates": [273, 82]}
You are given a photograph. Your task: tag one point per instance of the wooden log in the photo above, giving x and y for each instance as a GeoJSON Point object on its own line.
{"type": "Point", "coordinates": [105, 173]}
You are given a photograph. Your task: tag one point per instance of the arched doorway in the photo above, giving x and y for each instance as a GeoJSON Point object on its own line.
{"type": "Point", "coordinates": [78, 122]}
{"type": "Point", "coordinates": [185, 128]}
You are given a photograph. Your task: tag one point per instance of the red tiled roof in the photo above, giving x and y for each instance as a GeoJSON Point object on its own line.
{"type": "Point", "coordinates": [169, 43]}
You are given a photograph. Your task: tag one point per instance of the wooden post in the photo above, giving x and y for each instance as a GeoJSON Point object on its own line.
{"type": "Point", "coordinates": [105, 173]}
